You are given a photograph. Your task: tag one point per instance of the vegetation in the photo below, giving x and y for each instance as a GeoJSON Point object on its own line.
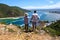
{"type": "Point", "coordinates": [11, 30]}
{"type": "Point", "coordinates": [54, 28]}
{"type": "Point", "coordinates": [11, 11]}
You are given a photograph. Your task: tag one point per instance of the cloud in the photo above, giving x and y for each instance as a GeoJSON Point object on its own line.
{"type": "Point", "coordinates": [50, 1]}
{"type": "Point", "coordinates": [57, 5]}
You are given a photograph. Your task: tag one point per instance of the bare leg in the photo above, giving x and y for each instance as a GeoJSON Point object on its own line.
{"type": "Point", "coordinates": [26, 27]}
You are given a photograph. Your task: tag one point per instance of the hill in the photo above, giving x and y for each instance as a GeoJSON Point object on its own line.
{"type": "Point", "coordinates": [11, 11]}
{"type": "Point", "coordinates": [12, 32]}
{"type": "Point", "coordinates": [54, 28]}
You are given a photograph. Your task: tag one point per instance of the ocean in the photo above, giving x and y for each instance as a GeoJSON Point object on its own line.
{"type": "Point", "coordinates": [44, 16]}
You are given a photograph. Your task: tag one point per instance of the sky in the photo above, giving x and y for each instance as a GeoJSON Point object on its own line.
{"type": "Point", "coordinates": [33, 4]}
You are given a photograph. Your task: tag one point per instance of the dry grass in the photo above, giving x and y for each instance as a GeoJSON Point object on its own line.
{"type": "Point", "coordinates": [26, 36]}
{"type": "Point", "coordinates": [18, 35]}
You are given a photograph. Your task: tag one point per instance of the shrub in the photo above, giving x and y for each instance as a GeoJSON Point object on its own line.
{"type": "Point", "coordinates": [11, 30]}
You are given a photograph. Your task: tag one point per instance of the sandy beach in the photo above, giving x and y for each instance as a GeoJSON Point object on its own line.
{"type": "Point", "coordinates": [12, 17]}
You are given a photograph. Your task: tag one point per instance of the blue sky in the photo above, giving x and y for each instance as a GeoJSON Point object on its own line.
{"type": "Point", "coordinates": [33, 4]}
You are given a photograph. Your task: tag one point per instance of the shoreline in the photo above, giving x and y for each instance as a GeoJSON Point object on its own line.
{"type": "Point", "coordinates": [12, 17]}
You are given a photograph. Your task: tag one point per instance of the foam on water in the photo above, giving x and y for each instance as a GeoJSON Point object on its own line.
{"type": "Point", "coordinates": [43, 16]}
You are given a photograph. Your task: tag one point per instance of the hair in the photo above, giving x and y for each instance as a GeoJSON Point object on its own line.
{"type": "Point", "coordinates": [35, 11]}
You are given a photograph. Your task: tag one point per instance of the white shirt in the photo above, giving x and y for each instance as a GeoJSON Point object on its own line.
{"type": "Point", "coordinates": [36, 14]}
{"type": "Point", "coordinates": [35, 17]}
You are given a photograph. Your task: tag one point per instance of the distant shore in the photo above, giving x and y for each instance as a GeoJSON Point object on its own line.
{"type": "Point", "coordinates": [12, 17]}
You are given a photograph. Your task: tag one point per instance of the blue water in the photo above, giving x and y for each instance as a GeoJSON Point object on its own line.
{"type": "Point", "coordinates": [43, 16]}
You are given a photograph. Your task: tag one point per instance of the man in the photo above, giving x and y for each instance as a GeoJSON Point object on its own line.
{"type": "Point", "coordinates": [26, 21]}
{"type": "Point", "coordinates": [34, 20]}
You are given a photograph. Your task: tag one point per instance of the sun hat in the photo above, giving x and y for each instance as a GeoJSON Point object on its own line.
{"type": "Point", "coordinates": [26, 14]}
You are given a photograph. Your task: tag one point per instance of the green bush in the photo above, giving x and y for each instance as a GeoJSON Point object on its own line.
{"type": "Point", "coordinates": [38, 27]}
{"type": "Point", "coordinates": [50, 31]}
{"type": "Point", "coordinates": [22, 28]}
{"type": "Point", "coordinates": [11, 30]}
{"type": "Point", "coordinates": [54, 28]}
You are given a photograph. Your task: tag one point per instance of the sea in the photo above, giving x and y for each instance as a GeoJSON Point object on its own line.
{"type": "Point", "coordinates": [43, 16]}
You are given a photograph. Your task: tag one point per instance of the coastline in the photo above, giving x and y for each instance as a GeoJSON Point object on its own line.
{"type": "Point", "coordinates": [12, 17]}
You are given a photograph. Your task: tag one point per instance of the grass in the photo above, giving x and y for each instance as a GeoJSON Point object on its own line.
{"type": "Point", "coordinates": [11, 30]}
{"type": "Point", "coordinates": [51, 31]}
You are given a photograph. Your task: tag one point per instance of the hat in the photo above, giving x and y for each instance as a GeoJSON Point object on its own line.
{"type": "Point", "coordinates": [26, 14]}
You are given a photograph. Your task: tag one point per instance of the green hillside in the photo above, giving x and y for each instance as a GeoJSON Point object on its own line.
{"type": "Point", "coordinates": [54, 28]}
{"type": "Point", "coordinates": [11, 11]}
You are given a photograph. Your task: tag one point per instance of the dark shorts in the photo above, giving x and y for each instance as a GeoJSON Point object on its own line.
{"type": "Point", "coordinates": [26, 27]}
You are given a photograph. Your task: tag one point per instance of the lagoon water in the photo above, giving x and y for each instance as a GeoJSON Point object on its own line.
{"type": "Point", "coordinates": [45, 16]}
